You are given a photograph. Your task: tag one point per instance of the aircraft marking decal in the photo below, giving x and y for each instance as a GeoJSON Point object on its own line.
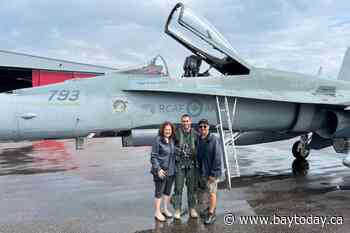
{"type": "Point", "coordinates": [119, 105]}
{"type": "Point", "coordinates": [195, 108]}
{"type": "Point", "coordinates": [62, 95]}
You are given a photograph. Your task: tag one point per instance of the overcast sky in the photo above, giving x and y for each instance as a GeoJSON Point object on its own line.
{"type": "Point", "coordinates": [294, 35]}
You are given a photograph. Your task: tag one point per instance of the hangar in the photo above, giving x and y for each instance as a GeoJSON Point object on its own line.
{"type": "Point", "coordinates": [19, 70]}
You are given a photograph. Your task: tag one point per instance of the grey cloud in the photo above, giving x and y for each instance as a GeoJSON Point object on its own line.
{"type": "Point", "coordinates": [296, 35]}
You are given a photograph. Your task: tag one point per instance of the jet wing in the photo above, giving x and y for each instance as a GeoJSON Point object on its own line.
{"type": "Point", "coordinates": [311, 92]}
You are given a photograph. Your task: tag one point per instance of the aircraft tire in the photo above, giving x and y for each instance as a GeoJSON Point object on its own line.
{"type": "Point", "coordinates": [298, 153]}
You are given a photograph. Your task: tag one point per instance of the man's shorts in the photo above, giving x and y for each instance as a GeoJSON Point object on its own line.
{"type": "Point", "coordinates": [206, 186]}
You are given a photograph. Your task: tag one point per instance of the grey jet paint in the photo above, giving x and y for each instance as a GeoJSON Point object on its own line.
{"type": "Point", "coordinates": [271, 105]}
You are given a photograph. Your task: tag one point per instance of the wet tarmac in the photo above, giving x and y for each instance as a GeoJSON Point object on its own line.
{"type": "Point", "coordinates": [47, 186]}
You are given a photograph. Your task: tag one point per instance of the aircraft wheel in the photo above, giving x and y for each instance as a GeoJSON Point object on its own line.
{"type": "Point", "coordinates": [300, 151]}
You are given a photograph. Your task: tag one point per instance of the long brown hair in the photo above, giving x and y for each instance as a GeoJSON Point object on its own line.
{"type": "Point", "coordinates": [162, 126]}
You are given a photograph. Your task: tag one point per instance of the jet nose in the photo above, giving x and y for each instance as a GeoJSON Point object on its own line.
{"type": "Point", "coordinates": [346, 161]}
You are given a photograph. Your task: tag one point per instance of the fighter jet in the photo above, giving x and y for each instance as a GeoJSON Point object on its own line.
{"type": "Point", "coordinates": [254, 105]}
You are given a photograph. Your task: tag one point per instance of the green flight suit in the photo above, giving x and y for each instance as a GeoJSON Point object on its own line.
{"type": "Point", "coordinates": [186, 169]}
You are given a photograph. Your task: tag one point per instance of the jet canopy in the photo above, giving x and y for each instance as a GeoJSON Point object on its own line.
{"type": "Point", "coordinates": [204, 40]}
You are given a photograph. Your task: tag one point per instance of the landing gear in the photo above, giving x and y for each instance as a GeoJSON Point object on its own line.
{"type": "Point", "coordinates": [301, 149]}
{"type": "Point", "coordinates": [79, 143]}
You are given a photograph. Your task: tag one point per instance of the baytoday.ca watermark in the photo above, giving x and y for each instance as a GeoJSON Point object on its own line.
{"type": "Point", "coordinates": [230, 219]}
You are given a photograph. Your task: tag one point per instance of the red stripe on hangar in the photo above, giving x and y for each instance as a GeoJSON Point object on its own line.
{"type": "Point", "coordinates": [19, 70]}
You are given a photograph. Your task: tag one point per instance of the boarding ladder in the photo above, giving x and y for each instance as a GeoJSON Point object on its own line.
{"type": "Point", "coordinates": [227, 138]}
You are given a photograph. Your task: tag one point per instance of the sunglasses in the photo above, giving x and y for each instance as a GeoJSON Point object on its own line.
{"type": "Point", "coordinates": [203, 126]}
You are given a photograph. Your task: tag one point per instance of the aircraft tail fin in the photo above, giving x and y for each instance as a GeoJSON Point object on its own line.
{"type": "Point", "coordinates": [344, 73]}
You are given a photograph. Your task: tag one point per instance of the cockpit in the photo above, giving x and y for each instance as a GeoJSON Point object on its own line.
{"type": "Point", "coordinates": [205, 42]}
{"type": "Point", "coordinates": [156, 67]}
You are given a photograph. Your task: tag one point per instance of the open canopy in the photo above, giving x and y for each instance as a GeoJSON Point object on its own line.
{"type": "Point", "coordinates": [203, 39]}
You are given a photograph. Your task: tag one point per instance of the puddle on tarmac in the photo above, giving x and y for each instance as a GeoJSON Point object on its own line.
{"type": "Point", "coordinates": [39, 157]}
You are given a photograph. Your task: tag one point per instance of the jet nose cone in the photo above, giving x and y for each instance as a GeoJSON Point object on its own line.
{"type": "Point", "coordinates": [346, 161]}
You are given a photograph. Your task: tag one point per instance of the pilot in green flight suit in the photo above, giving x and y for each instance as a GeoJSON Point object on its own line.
{"type": "Point", "coordinates": [186, 167]}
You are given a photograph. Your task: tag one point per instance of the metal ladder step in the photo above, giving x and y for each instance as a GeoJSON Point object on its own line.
{"type": "Point", "coordinates": [227, 138]}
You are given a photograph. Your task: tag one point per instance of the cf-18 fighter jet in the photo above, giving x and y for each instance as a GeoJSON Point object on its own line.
{"type": "Point", "coordinates": [249, 105]}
